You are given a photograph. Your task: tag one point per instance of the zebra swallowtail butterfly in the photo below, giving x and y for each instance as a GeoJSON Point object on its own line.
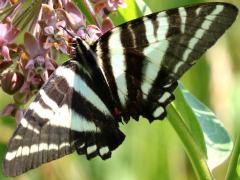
{"type": "Point", "coordinates": [130, 71]}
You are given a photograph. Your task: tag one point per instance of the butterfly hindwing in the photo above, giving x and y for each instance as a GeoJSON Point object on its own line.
{"type": "Point", "coordinates": [66, 115]}
{"type": "Point", "coordinates": [143, 59]}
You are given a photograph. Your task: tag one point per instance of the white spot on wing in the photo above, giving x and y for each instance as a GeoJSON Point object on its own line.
{"type": "Point", "coordinates": [25, 151]}
{"type": "Point", "coordinates": [178, 65]}
{"type": "Point", "coordinates": [10, 155]}
{"type": "Point", "coordinates": [64, 144]}
{"type": "Point", "coordinates": [164, 97]}
{"type": "Point", "coordinates": [18, 137]}
{"type": "Point", "coordinates": [43, 146]}
{"type": "Point", "coordinates": [19, 151]}
{"type": "Point", "coordinates": [34, 148]}
{"type": "Point", "coordinates": [91, 149]}
{"type": "Point", "coordinates": [198, 10]}
{"type": "Point", "coordinates": [158, 112]}
{"type": "Point", "coordinates": [24, 122]}
{"type": "Point", "coordinates": [103, 150]}
{"type": "Point", "coordinates": [82, 145]}
{"type": "Point", "coordinates": [52, 147]}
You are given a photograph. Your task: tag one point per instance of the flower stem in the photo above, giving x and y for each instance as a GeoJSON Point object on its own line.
{"type": "Point", "coordinates": [191, 148]}
{"type": "Point", "coordinates": [90, 9]}
{"type": "Point", "coordinates": [232, 167]}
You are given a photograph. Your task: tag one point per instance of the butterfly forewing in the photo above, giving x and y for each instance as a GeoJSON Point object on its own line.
{"type": "Point", "coordinates": [142, 59]}
{"type": "Point", "coordinates": [130, 71]}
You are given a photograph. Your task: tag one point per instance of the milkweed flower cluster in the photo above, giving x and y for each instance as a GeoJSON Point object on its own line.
{"type": "Point", "coordinates": [33, 34]}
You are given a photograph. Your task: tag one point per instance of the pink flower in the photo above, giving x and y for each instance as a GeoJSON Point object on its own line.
{"type": "Point", "coordinates": [106, 25]}
{"type": "Point", "coordinates": [104, 7]}
{"type": "Point", "coordinates": [7, 35]}
{"type": "Point", "coordinates": [38, 67]}
{"type": "Point", "coordinates": [3, 3]}
{"type": "Point", "coordinates": [73, 16]}
{"type": "Point", "coordinates": [112, 5]}
{"type": "Point", "coordinates": [91, 33]}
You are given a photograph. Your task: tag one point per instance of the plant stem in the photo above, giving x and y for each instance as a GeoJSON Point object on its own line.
{"type": "Point", "coordinates": [191, 148]}
{"type": "Point", "coordinates": [232, 167]}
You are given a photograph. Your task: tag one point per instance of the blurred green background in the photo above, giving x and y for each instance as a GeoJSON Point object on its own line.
{"type": "Point", "coordinates": [153, 151]}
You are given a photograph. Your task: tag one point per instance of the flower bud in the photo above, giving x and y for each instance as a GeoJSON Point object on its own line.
{"type": "Point", "coordinates": [4, 64]}
{"type": "Point", "coordinates": [106, 24]}
{"type": "Point", "coordinates": [9, 110]}
{"type": "Point", "coordinates": [11, 82]}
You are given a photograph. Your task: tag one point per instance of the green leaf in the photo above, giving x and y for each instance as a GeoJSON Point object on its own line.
{"type": "Point", "coordinates": [193, 151]}
{"type": "Point", "coordinates": [217, 140]}
{"type": "Point", "coordinates": [238, 167]}
{"type": "Point", "coordinates": [143, 7]}
{"type": "Point", "coordinates": [190, 119]}
{"type": "Point", "coordinates": [131, 12]}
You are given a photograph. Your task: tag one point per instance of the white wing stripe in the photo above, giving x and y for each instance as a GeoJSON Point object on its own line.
{"type": "Point", "coordinates": [118, 67]}
{"type": "Point", "coordinates": [25, 124]}
{"type": "Point", "coordinates": [162, 21]}
{"type": "Point", "coordinates": [64, 144]}
{"type": "Point", "coordinates": [199, 34]}
{"type": "Point", "coordinates": [149, 30]}
{"type": "Point", "coordinates": [47, 100]}
{"type": "Point", "coordinates": [40, 111]}
{"type": "Point", "coordinates": [81, 87]}
{"type": "Point", "coordinates": [26, 150]}
{"type": "Point", "coordinates": [80, 124]}
{"type": "Point", "coordinates": [183, 16]}
{"type": "Point", "coordinates": [43, 146]}
{"type": "Point", "coordinates": [53, 147]}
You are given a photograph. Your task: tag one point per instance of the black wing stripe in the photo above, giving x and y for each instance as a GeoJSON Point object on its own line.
{"type": "Point", "coordinates": [194, 43]}
{"type": "Point", "coordinates": [134, 65]}
{"type": "Point", "coordinates": [105, 64]}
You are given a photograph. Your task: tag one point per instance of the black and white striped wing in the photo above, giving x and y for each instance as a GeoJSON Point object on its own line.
{"type": "Point", "coordinates": [67, 115]}
{"type": "Point", "coordinates": [143, 59]}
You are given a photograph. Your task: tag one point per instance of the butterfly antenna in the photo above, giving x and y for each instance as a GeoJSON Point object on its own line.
{"type": "Point", "coordinates": [68, 32]}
